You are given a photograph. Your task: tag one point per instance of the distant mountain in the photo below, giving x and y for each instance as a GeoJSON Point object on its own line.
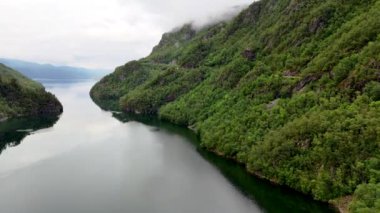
{"type": "Point", "coordinates": [48, 71]}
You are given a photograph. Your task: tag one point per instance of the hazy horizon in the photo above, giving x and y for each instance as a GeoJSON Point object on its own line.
{"type": "Point", "coordinates": [97, 34]}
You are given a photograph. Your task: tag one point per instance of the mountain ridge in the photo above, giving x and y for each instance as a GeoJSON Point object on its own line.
{"type": "Point", "coordinates": [49, 71]}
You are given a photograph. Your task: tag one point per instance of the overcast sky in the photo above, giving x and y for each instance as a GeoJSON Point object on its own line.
{"type": "Point", "coordinates": [96, 33]}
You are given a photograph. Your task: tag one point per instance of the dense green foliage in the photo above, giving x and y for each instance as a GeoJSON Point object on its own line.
{"type": "Point", "coordinates": [290, 88]}
{"type": "Point", "coordinates": [20, 96]}
{"type": "Point", "coordinates": [366, 199]}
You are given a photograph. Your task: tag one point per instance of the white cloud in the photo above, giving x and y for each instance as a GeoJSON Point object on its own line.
{"type": "Point", "coordinates": [95, 33]}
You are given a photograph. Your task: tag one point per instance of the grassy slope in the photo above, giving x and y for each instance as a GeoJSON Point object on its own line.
{"type": "Point", "coordinates": [290, 88]}
{"type": "Point", "coordinates": [20, 96]}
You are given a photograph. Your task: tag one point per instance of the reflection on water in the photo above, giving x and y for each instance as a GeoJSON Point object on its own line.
{"type": "Point", "coordinates": [13, 131]}
{"type": "Point", "coordinates": [270, 197]}
{"type": "Point", "coordinates": [90, 162]}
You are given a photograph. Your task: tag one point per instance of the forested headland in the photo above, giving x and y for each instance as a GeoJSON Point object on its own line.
{"type": "Point", "coordinates": [20, 96]}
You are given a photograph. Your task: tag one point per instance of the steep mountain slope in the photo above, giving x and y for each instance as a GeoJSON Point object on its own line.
{"type": "Point", "coordinates": [20, 96]}
{"type": "Point", "coordinates": [290, 88]}
{"type": "Point", "coordinates": [47, 71]}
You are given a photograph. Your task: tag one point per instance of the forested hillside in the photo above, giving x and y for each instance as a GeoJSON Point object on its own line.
{"type": "Point", "coordinates": [20, 96]}
{"type": "Point", "coordinates": [290, 88]}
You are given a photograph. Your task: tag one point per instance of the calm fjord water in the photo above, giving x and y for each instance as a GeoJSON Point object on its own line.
{"type": "Point", "coordinates": [89, 161]}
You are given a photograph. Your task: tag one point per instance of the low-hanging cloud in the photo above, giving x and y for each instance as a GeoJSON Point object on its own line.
{"type": "Point", "coordinates": [98, 33]}
{"type": "Point", "coordinates": [174, 13]}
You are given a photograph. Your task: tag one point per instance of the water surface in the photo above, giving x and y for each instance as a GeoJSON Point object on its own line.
{"type": "Point", "coordinates": [93, 161]}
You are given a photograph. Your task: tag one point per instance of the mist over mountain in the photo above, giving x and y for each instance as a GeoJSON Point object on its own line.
{"type": "Point", "coordinates": [48, 71]}
{"type": "Point", "coordinates": [97, 34]}
{"type": "Point", "coordinates": [289, 88]}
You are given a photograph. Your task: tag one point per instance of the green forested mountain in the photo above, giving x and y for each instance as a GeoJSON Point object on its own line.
{"type": "Point", "coordinates": [290, 88]}
{"type": "Point", "coordinates": [20, 96]}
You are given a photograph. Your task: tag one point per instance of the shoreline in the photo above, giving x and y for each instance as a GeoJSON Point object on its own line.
{"type": "Point", "coordinates": [340, 205]}
{"type": "Point", "coordinates": [336, 204]}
